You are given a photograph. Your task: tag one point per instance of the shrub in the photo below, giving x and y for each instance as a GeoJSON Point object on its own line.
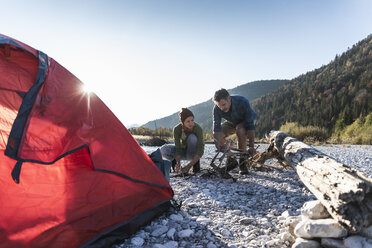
{"type": "Point", "coordinates": [359, 132]}
{"type": "Point", "coordinates": [208, 137]}
{"type": "Point", "coordinates": [308, 134]}
{"type": "Point", "coordinates": [289, 128]}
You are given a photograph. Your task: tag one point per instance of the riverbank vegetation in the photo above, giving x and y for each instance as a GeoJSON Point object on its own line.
{"type": "Point", "coordinates": [144, 134]}
{"type": "Point", "coordinates": [358, 132]}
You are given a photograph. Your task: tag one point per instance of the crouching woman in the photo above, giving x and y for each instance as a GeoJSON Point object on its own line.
{"type": "Point", "coordinates": [188, 144]}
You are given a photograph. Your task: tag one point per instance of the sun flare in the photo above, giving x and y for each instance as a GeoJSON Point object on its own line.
{"type": "Point", "coordinates": [86, 89]}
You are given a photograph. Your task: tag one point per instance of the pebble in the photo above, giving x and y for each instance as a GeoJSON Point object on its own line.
{"type": "Point", "coordinates": [203, 220]}
{"type": "Point", "coordinates": [225, 232]}
{"type": "Point", "coordinates": [251, 212]}
{"type": "Point", "coordinates": [176, 217]}
{"type": "Point", "coordinates": [170, 233]}
{"type": "Point", "coordinates": [171, 244]}
{"type": "Point", "coordinates": [159, 231]}
{"type": "Point", "coordinates": [246, 221]}
{"type": "Point", "coordinates": [137, 241]}
{"type": "Point", "coordinates": [158, 246]}
{"type": "Point", "coordinates": [185, 233]}
{"type": "Point", "coordinates": [357, 242]}
{"type": "Point", "coordinates": [211, 245]}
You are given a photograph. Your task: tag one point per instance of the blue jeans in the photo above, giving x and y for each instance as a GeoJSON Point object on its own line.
{"type": "Point", "coordinates": [169, 151]}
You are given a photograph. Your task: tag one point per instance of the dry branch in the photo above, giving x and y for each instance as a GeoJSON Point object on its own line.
{"type": "Point", "coordinates": [217, 168]}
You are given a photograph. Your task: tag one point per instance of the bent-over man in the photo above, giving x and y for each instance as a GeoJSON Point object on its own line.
{"type": "Point", "coordinates": [239, 116]}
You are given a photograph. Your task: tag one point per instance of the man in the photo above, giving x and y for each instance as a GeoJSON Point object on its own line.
{"type": "Point", "coordinates": [239, 116]}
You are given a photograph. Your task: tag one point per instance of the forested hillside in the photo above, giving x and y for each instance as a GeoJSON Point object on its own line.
{"type": "Point", "coordinates": [332, 96]}
{"type": "Point", "coordinates": [203, 111]}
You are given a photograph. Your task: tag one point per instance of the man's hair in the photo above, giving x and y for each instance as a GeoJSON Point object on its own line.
{"type": "Point", "coordinates": [220, 94]}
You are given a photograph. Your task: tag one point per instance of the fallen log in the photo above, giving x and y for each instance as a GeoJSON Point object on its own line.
{"type": "Point", "coordinates": [345, 192]}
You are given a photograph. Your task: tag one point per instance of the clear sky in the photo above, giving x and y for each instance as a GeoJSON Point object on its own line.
{"type": "Point", "coordinates": [147, 59]}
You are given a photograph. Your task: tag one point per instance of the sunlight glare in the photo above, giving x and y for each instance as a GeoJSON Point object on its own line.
{"type": "Point", "coordinates": [86, 89]}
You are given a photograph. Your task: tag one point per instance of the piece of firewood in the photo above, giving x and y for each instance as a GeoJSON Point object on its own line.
{"type": "Point", "coordinates": [345, 192]}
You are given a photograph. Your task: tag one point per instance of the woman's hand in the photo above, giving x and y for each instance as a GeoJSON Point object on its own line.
{"type": "Point", "coordinates": [177, 168]}
{"type": "Point", "coordinates": [186, 169]}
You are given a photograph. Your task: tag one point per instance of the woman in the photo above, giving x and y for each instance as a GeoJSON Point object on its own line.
{"type": "Point", "coordinates": [188, 143]}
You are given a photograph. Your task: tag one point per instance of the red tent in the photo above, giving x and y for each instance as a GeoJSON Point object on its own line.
{"type": "Point", "coordinates": [70, 172]}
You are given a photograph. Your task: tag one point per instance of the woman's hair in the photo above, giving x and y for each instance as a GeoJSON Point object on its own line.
{"type": "Point", "coordinates": [220, 94]}
{"type": "Point", "coordinates": [184, 113]}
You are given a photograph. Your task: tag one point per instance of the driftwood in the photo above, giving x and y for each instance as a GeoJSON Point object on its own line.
{"type": "Point", "coordinates": [258, 160]}
{"type": "Point", "coordinates": [345, 192]}
{"type": "Point", "coordinates": [230, 158]}
{"type": "Point", "coordinates": [222, 171]}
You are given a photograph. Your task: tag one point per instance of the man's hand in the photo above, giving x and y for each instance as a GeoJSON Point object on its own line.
{"type": "Point", "coordinates": [217, 144]}
{"type": "Point", "coordinates": [220, 141]}
{"type": "Point", "coordinates": [224, 147]}
{"type": "Point", "coordinates": [221, 147]}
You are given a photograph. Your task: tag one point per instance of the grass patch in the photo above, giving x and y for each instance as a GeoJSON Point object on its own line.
{"type": "Point", "coordinates": [307, 134]}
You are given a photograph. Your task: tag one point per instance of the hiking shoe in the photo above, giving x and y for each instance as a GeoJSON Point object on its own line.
{"type": "Point", "coordinates": [231, 163]}
{"type": "Point", "coordinates": [196, 167]}
{"type": "Point", "coordinates": [174, 164]}
{"type": "Point", "coordinates": [242, 167]}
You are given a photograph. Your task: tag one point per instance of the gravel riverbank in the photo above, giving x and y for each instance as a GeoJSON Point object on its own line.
{"type": "Point", "coordinates": [250, 212]}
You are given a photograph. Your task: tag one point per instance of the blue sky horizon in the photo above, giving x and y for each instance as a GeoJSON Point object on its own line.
{"type": "Point", "coordinates": [148, 59]}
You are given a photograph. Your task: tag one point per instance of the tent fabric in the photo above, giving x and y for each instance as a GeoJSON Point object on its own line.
{"type": "Point", "coordinates": [69, 168]}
